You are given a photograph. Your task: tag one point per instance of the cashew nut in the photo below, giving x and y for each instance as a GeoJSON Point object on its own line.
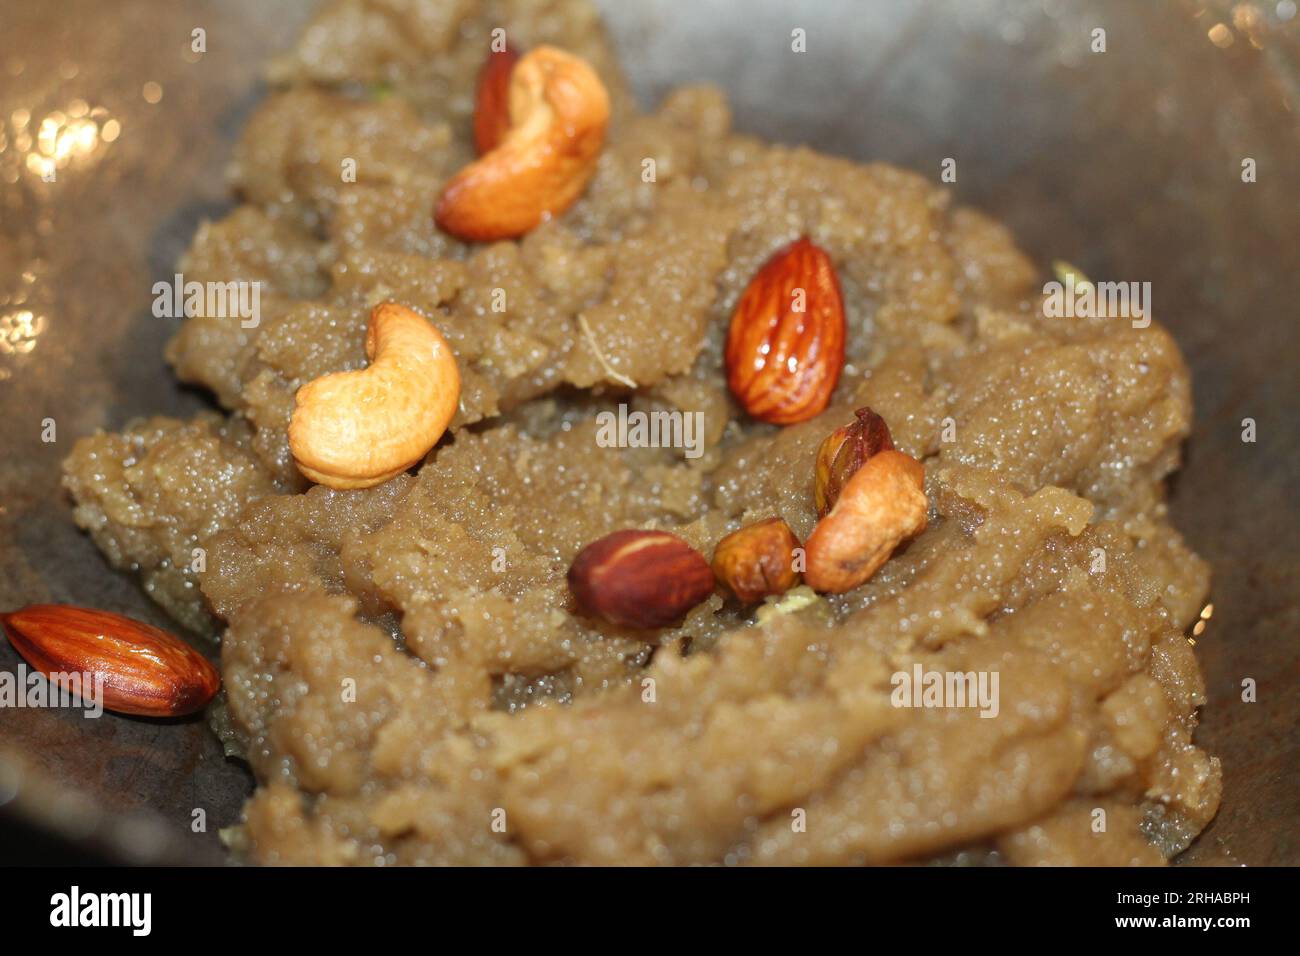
{"type": "Point", "coordinates": [882, 505]}
{"type": "Point", "coordinates": [357, 429]}
{"type": "Point", "coordinates": [558, 112]}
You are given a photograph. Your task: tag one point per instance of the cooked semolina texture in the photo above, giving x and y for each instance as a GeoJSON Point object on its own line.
{"type": "Point", "coordinates": [405, 670]}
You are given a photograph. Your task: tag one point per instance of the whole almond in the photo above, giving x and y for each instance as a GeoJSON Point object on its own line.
{"type": "Point", "coordinates": [492, 104]}
{"type": "Point", "coordinates": [785, 346]}
{"type": "Point", "coordinates": [640, 579]}
{"type": "Point", "coordinates": [757, 561]}
{"type": "Point", "coordinates": [145, 671]}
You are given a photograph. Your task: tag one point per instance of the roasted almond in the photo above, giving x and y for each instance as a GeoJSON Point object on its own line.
{"type": "Point", "coordinates": [844, 451]}
{"type": "Point", "coordinates": [492, 104]}
{"type": "Point", "coordinates": [145, 671]}
{"type": "Point", "coordinates": [757, 561]}
{"type": "Point", "coordinates": [640, 579]}
{"type": "Point", "coordinates": [785, 346]}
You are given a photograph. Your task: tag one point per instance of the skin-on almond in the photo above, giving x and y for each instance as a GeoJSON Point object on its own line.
{"type": "Point", "coordinates": [558, 113]}
{"type": "Point", "coordinates": [844, 451]}
{"type": "Point", "coordinates": [882, 505]}
{"type": "Point", "coordinates": [492, 104]}
{"type": "Point", "coordinates": [640, 579]}
{"type": "Point", "coordinates": [757, 561]}
{"type": "Point", "coordinates": [145, 671]}
{"type": "Point", "coordinates": [785, 346]}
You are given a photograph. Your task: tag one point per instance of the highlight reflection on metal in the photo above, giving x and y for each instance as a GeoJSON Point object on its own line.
{"type": "Point", "coordinates": [1220, 35]}
{"type": "Point", "coordinates": [1206, 613]}
{"type": "Point", "coordinates": [70, 137]}
{"type": "Point", "coordinates": [43, 145]}
{"type": "Point", "coordinates": [20, 326]}
{"type": "Point", "coordinates": [19, 331]}
{"type": "Point", "coordinates": [1249, 21]}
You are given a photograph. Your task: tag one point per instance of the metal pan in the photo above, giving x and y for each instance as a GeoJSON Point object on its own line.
{"type": "Point", "coordinates": [1127, 163]}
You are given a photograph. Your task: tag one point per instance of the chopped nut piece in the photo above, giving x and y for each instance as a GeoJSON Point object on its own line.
{"type": "Point", "coordinates": [796, 599]}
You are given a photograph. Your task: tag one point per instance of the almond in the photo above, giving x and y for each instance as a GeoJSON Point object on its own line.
{"type": "Point", "coordinates": [145, 671]}
{"type": "Point", "coordinates": [757, 561]}
{"type": "Point", "coordinates": [640, 579]}
{"type": "Point", "coordinates": [785, 347]}
{"type": "Point", "coordinates": [844, 451]}
{"type": "Point", "coordinates": [492, 105]}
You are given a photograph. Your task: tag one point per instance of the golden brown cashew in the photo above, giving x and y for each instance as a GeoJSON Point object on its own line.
{"type": "Point", "coordinates": [357, 429]}
{"type": "Point", "coordinates": [558, 113]}
{"type": "Point", "coordinates": [882, 505]}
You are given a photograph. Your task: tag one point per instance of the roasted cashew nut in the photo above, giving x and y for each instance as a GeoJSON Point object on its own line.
{"type": "Point", "coordinates": [558, 113]}
{"type": "Point", "coordinates": [357, 429]}
{"type": "Point", "coordinates": [882, 505]}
